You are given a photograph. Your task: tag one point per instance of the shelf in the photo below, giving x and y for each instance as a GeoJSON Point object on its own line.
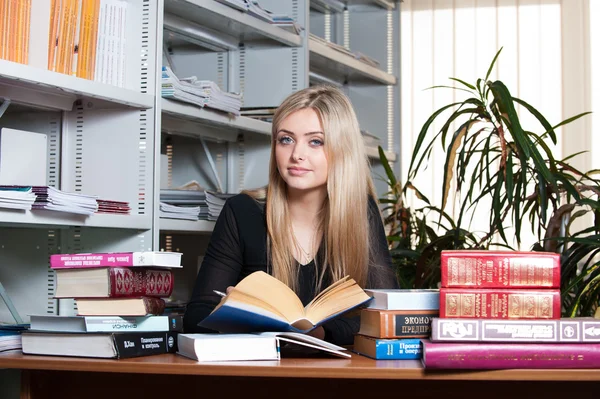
{"type": "Point", "coordinates": [51, 90]}
{"type": "Point", "coordinates": [334, 6]}
{"type": "Point", "coordinates": [236, 24]}
{"type": "Point", "coordinates": [186, 226]}
{"type": "Point", "coordinates": [334, 63]}
{"type": "Point", "coordinates": [373, 153]}
{"type": "Point", "coordinates": [46, 219]}
{"type": "Point", "coordinates": [182, 118]}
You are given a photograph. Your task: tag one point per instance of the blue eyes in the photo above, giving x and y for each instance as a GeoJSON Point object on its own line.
{"type": "Point", "coordinates": [285, 140]}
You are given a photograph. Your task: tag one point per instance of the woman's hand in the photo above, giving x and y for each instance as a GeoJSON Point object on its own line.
{"type": "Point", "coordinates": [318, 332]}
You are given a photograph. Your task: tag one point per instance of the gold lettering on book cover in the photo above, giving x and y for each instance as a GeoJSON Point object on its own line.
{"type": "Point", "coordinates": [467, 306]}
{"type": "Point", "coordinates": [546, 308]}
{"type": "Point", "coordinates": [452, 305]}
{"type": "Point", "coordinates": [533, 272]}
{"type": "Point", "coordinates": [530, 306]}
{"type": "Point", "coordinates": [515, 305]}
{"type": "Point", "coordinates": [453, 271]}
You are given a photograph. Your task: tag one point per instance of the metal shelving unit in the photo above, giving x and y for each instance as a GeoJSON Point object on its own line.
{"type": "Point", "coordinates": [50, 219]}
{"type": "Point", "coordinates": [174, 226]}
{"type": "Point", "coordinates": [56, 91]}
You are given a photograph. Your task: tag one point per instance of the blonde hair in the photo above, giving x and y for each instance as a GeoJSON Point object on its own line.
{"type": "Point", "coordinates": [344, 220]}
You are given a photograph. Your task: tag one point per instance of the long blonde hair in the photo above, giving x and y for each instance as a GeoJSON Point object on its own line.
{"type": "Point", "coordinates": [344, 219]}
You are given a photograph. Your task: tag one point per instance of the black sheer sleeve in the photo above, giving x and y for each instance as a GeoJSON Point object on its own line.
{"type": "Point", "coordinates": [220, 269]}
{"type": "Point", "coordinates": [341, 330]}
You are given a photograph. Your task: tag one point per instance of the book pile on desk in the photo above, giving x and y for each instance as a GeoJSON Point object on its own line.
{"type": "Point", "coordinates": [120, 306]}
{"type": "Point", "coordinates": [502, 310]}
{"type": "Point", "coordinates": [395, 321]}
{"type": "Point", "coordinates": [203, 93]}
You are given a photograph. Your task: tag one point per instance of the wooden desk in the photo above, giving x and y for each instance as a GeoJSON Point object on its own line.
{"type": "Point", "coordinates": [173, 376]}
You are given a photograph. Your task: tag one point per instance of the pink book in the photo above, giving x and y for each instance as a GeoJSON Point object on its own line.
{"type": "Point", "coordinates": [510, 356]}
{"type": "Point", "coordinates": [116, 259]}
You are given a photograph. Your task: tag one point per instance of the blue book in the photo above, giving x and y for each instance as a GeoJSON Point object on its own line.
{"type": "Point", "coordinates": [260, 302]}
{"type": "Point", "coordinates": [388, 349]}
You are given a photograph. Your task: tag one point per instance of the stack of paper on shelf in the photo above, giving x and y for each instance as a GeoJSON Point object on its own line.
{"type": "Point", "coordinates": [54, 199]}
{"type": "Point", "coordinates": [114, 207]}
{"type": "Point", "coordinates": [120, 305]}
{"type": "Point", "coordinates": [254, 8]}
{"type": "Point", "coordinates": [264, 114]}
{"type": "Point", "coordinates": [179, 212]}
{"type": "Point", "coordinates": [177, 202]}
{"type": "Point", "coordinates": [16, 197]}
{"type": "Point", "coordinates": [359, 56]}
{"type": "Point", "coordinates": [215, 202]}
{"type": "Point", "coordinates": [199, 92]}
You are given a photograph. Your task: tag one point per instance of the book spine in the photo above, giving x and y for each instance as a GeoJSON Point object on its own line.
{"type": "Point", "coordinates": [564, 330]}
{"type": "Point", "coordinates": [136, 344]}
{"type": "Point", "coordinates": [142, 324]}
{"type": "Point", "coordinates": [499, 303]}
{"type": "Point", "coordinates": [131, 282]}
{"type": "Point", "coordinates": [65, 261]}
{"type": "Point", "coordinates": [404, 300]}
{"type": "Point", "coordinates": [397, 349]}
{"type": "Point", "coordinates": [396, 324]}
{"type": "Point", "coordinates": [490, 269]}
{"type": "Point", "coordinates": [510, 356]}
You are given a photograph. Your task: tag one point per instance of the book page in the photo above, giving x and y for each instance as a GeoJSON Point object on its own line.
{"type": "Point", "coordinates": [268, 290]}
{"type": "Point", "coordinates": [345, 296]}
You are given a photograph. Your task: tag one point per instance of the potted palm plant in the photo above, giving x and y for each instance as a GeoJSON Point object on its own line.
{"type": "Point", "coordinates": [491, 159]}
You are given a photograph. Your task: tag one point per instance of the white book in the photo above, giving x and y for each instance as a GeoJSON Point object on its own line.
{"type": "Point", "coordinates": [404, 299]}
{"type": "Point", "coordinates": [90, 324]}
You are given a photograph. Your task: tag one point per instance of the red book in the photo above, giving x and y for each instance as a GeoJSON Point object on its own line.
{"type": "Point", "coordinates": [500, 269]}
{"type": "Point", "coordinates": [499, 303]}
{"type": "Point", "coordinates": [111, 282]}
{"type": "Point", "coordinates": [510, 356]}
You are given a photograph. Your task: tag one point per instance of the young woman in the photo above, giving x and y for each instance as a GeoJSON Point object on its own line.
{"type": "Point", "coordinates": [318, 221]}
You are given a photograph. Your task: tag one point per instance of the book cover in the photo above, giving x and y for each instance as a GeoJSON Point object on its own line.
{"type": "Point", "coordinates": [387, 349]}
{"type": "Point", "coordinates": [106, 323]}
{"type": "Point", "coordinates": [404, 299]}
{"type": "Point", "coordinates": [116, 259]}
{"type": "Point", "coordinates": [580, 329]}
{"type": "Point", "coordinates": [142, 306]}
{"type": "Point", "coordinates": [396, 323]}
{"type": "Point", "coordinates": [438, 355]}
{"type": "Point", "coordinates": [500, 269]}
{"type": "Point", "coordinates": [500, 303]}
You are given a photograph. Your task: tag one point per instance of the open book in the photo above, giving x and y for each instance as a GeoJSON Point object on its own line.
{"type": "Point", "coordinates": [260, 302]}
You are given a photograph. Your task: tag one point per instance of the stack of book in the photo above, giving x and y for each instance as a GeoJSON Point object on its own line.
{"type": "Point", "coordinates": [53, 199]}
{"type": "Point", "coordinates": [395, 321]}
{"type": "Point", "coordinates": [113, 207]}
{"type": "Point", "coordinates": [501, 309]}
{"type": "Point", "coordinates": [120, 305]}
{"type": "Point", "coordinates": [16, 197]}
{"type": "Point", "coordinates": [183, 204]}
{"type": "Point", "coordinates": [253, 8]}
{"type": "Point", "coordinates": [203, 93]}
{"type": "Point", "coordinates": [216, 202]}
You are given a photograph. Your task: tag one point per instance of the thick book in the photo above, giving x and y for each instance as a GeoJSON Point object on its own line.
{"type": "Point", "coordinates": [252, 346]}
{"type": "Point", "coordinates": [106, 323]}
{"type": "Point", "coordinates": [578, 329]}
{"type": "Point", "coordinates": [142, 306]}
{"type": "Point", "coordinates": [396, 323]}
{"type": "Point", "coordinates": [260, 302]}
{"type": "Point", "coordinates": [113, 282]}
{"type": "Point", "coordinates": [116, 259]}
{"type": "Point", "coordinates": [500, 303]}
{"type": "Point", "coordinates": [404, 299]}
{"type": "Point", "coordinates": [388, 349]}
{"type": "Point", "coordinates": [446, 355]}
{"type": "Point", "coordinates": [99, 345]}
{"type": "Point", "coordinates": [500, 269]}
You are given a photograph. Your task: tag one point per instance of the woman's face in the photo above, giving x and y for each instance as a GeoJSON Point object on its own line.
{"type": "Point", "coordinates": [300, 151]}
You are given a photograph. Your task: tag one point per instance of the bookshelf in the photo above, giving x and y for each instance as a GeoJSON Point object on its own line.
{"type": "Point", "coordinates": [126, 143]}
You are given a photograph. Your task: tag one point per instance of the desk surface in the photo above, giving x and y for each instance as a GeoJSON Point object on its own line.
{"type": "Point", "coordinates": [358, 367]}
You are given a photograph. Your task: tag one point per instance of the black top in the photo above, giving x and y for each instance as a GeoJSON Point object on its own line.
{"type": "Point", "coordinates": [238, 247]}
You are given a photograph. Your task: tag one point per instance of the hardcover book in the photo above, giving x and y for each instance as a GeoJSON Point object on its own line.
{"type": "Point", "coordinates": [500, 303]}
{"type": "Point", "coordinates": [438, 355]}
{"type": "Point", "coordinates": [404, 299]}
{"type": "Point", "coordinates": [387, 349]}
{"type": "Point", "coordinates": [142, 306]}
{"type": "Point", "coordinates": [260, 302]}
{"type": "Point", "coordinates": [500, 269]}
{"type": "Point", "coordinates": [106, 323]}
{"type": "Point", "coordinates": [100, 345]}
{"type": "Point", "coordinates": [116, 259]}
{"type": "Point", "coordinates": [112, 282]}
{"type": "Point", "coordinates": [578, 329]}
{"type": "Point", "coordinates": [396, 323]}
